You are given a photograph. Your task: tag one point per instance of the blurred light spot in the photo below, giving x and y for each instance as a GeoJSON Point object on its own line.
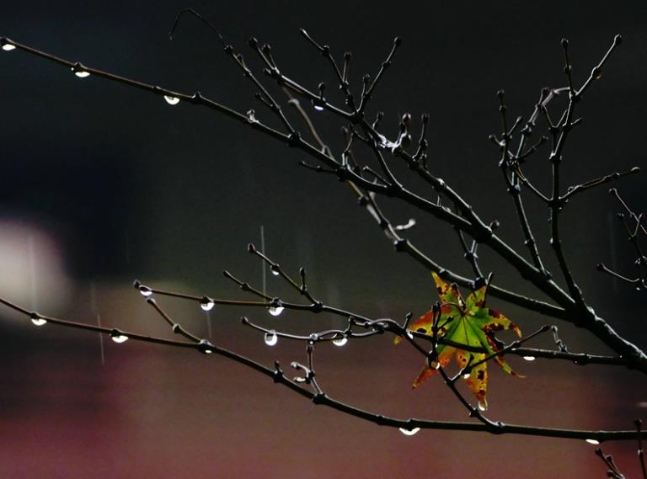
{"type": "Point", "coordinates": [32, 270]}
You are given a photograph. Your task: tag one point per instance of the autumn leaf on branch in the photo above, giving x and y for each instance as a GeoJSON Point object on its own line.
{"type": "Point", "coordinates": [470, 324]}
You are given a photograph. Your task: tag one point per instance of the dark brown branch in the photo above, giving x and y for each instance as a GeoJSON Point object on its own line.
{"type": "Point", "coordinates": [278, 376]}
{"type": "Point", "coordinates": [573, 190]}
{"type": "Point", "coordinates": [472, 225]}
{"type": "Point", "coordinates": [613, 471]}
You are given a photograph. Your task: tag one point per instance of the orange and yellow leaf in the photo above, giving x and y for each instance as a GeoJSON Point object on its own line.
{"type": "Point", "coordinates": [464, 322]}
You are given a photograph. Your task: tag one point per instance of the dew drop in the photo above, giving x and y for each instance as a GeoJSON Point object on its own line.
{"type": "Point", "coordinates": [275, 272]}
{"type": "Point", "coordinates": [434, 365]}
{"type": "Point", "coordinates": [205, 347]}
{"type": "Point", "coordinates": [38, 321]}
{"type": "Point", "coordinates": [482, 405]}
{"type": "Point", "coordinates": [271, 338]}
{"type": "Point", "coordinates": [466, 376]}
{"type": "Point", "coordinates": [145, 291]}
{"type": "Point", "coordinates": [595, 442]}
{"type": "Point", "coordinates": [529, 358]}
{"type": "Point", "coordinates": [340, 341]}
{"type": "Point", "coordinates": [171, 100]}
{"type": "Point", "coordinates": [276, 310]}
{"type": "Point", "coordinates": [207, 304]}
{"type": "Point", "coordinates": [319, 108]}
{"type": "Point", "coordinates": [299, 379]}
{"type": "Point", "coordinates": [409, 432]}
{"type": "Point", "coordinates": [7, 47]}
{"type": "Point", "coordinates": [81, 73]}
{"type": "Point", "coordinates": [119, 338]}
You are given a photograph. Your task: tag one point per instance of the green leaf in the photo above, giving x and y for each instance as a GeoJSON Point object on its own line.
{"type": "Point", "coordinates": [469, 323]}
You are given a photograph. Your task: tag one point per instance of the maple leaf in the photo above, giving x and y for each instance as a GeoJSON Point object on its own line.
{"type": "Point", "coordinates": [468, 323]}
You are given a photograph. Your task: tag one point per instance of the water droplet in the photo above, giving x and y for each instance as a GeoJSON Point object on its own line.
{"type": "Point", "coordinates": [119, 338]}
{"type": "Point", "coordinates": [205, 347]}
{"type": "Point", "coordinates": [299, 379]}
{"type": "Point", "coordinates": [207, 304]}
{"type": "Point", "coordinates": [275, 271]}
{"type": "Point", "coordinates": [482, 405]}
{"type": "Point", "coordinates": [409, 432]}
{"type": "Point", "coordinates": [319, 108]}
{"type": "Point", "coordinates": [145, 291]}
{"type": "Point", "coordinates": [466, 376]}
{"type": "Point", "coordinates": [340, 341]}
{"type": "Point", "coordinates": [276, 310]}
{"type": "Point", "coordinates": [410, 224]}
{"type": "Point", "coordinates": [81, 73]}
{"type": "Point", "coordinates": [441, 182]}
{"type": "Point", "coordinates": [529, 358]}
{"type": "Point", "coordinates": [7, 47]}
{"type": "Point", "coordinates": [171, 100]}
{"type": "Point", "coordinates": [595, 442]}
{"type": "Point", "coordinates": [434, 365]}
{"type": "Point", "coordinates": [271, 338]}
{"type": "Point", "coordinates": [409, 335]}
{"type": "Point", "coordinates": [38, 321]}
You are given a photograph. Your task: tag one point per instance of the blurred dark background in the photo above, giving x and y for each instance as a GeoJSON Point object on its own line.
{"type": "Point", "coordinates": [102, 184]}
